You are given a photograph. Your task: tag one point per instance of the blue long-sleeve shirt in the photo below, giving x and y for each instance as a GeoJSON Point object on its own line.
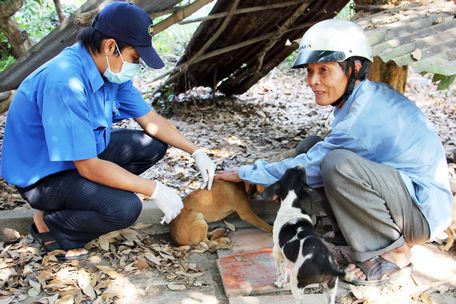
{"type": "Point", "coordinates": [383, 126]}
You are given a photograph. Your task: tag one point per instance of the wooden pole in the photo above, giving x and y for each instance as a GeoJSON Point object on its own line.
{"type": "Point", "coordinates": [242, 11]}
{"type": "Point", "coordinates": [180, 15]}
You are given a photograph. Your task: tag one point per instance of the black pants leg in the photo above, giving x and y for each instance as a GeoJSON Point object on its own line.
{"type": "Point", "coordinates": [77, 210]}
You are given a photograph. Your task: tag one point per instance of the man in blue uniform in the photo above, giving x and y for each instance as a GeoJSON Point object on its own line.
{"type": "Point", "coordinates": [382, 166]}
{"type": "Point", "coordinates": [60, 149]}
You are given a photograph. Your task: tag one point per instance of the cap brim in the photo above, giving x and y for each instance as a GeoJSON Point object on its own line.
{"type": "Point", "coordinates": [150, 56]}
{"type": "Point", "coordinates": [308, 56]}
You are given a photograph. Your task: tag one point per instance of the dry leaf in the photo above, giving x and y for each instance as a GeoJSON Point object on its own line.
{"type": "Point", "coordinates": [139, 226]}
{"type": "Point", "coordinates": [176, 286]}
{"type": "Point", "coordinates": [417, 54]}
{"type": "Point", "coordinates": [104, 243]}
{"type": "Point", "coordinates": [6, 300]}
{"type": "Point", "coordinates": [66, 299]}
{"type": "Point", "coordinates": [52, 299]}
{"type": "Point", "coordinates": [189, 275]}
{"type": "Point", "coordinates": [35, 290]}
{"type": "Point", "coordinates": [426, 299]}
{"type": "Point", "coordinates": [84, 282]}
{"type": "Point", "coordinates": [142, 263]}
{"type": "Point", "coordinates": [32, 292]}
{"type": "Point", "coordinates": [109, 271]}
{"type": "Point", "coordinates": [230, 226]}
{"type": "Point", "coordinates": [151, 257]}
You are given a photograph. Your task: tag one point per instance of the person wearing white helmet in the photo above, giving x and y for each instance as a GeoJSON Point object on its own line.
{"type": "Point", "coordinates": [382, 166]}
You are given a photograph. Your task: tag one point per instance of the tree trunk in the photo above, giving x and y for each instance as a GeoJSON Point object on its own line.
{"type": "Point", "coordinates": [18, 38]}
{"type": "Point", "coordinates": [388, 72]}
{"type": "Point", "coordinates": [59, 10]}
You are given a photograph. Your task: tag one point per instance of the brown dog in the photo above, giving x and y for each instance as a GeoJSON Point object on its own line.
{"type": "Point", "coordinates": [203, 206]}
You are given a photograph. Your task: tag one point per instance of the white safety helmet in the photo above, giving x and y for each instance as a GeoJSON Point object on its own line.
{"type": "Point", "coordinates": [332, 40]}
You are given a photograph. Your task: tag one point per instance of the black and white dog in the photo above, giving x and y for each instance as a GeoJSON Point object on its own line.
{"type": "Point", "coordinates": [295, 239]}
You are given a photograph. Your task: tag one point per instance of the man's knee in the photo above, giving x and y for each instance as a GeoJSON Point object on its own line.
{"type": "Point", "coordinates": [161, 149]}
{"type": "Point", "coordinates": [126, 212]}
{"type": "Point", "coordinates": [335, 164]}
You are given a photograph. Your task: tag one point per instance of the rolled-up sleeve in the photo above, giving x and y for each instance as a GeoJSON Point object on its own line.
{"type": "Point", "coordinates": [130, 103]}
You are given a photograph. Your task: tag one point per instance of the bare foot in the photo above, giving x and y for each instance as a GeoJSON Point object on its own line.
{"type": "Point", "coordinates": [401, 257]}
{"type": "Point", "coordinates": [38, 219]}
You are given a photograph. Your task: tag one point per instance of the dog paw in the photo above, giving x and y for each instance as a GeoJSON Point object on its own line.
{"type": "Point", "coordinates": [279, 283]}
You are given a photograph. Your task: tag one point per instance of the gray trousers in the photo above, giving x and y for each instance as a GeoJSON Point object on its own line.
{"type": "Point", "coordinates": [371, 205]}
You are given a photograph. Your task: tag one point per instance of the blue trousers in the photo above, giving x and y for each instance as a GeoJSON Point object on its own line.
{"type": "Point", "coordinates": [77, 210]}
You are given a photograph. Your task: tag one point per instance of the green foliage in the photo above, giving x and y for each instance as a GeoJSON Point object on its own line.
{"type": "Point", "coordinates": [5, 62]}
{"type": "Point", "coordinates": [172, 42]}
{"type": "Point", "coordinates": [37, 18]}
{"type": "Point", "coordinates": [443, 82]}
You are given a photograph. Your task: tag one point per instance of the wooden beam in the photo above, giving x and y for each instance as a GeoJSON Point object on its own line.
{"type": "Point", "coordinates": [242, 11]}
{"type": "Point", "coordinates": [180, 15]}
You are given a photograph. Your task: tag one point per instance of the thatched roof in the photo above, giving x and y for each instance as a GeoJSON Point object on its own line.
{"type": "Point", "coordinates": [420, 36]}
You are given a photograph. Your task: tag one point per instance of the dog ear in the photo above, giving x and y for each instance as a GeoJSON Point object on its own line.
{"type": "Point", "coordinates": [270, 191]}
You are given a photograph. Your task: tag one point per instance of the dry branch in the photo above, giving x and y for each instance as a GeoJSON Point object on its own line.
{"type": "Point", "coordinates": [183, 67]}
{"type": "Point", "coordinates": [242, 11]}
{"type": "Point", "coordinates": [180, 15]}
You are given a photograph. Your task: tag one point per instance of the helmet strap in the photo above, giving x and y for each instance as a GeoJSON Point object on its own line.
{"type": "Point", "coordinates": [352, 81]}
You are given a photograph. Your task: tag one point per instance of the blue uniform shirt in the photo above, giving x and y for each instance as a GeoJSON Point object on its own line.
{"type": "Point", "coordinates": [383, 126]}
{"type": "Point", "coordinates": [63, 112]}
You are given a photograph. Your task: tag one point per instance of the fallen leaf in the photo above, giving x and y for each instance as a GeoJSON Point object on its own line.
{"type": "Point", "coordinates": [189, 275]}
{"type": "Point", "coordinates": [151, 257]}
{"type": "Point", "coordinates": [176, 287]}
{"type": "Point", "coordinates": [142, 263]}
{"type": "Point", "coordinates": [84, 282]}
{"type": "Point", "coordinates": [230, 226]}
{"type": "Point", "coordinates": [109, 271]}
{"type": "Point", "coordinates": [417, 54]}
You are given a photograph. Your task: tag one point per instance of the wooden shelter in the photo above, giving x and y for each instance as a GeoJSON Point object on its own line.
{"type": "Point", "coordinates": [251, 37]}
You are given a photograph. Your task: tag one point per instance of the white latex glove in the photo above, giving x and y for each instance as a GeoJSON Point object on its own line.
{"type": "Point", "coordinates": [206, 167]}
{"type": "Point", "coordinates": [168, 201]}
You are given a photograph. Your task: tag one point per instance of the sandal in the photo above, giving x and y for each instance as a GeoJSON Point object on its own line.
{"type": "Point", "coordinates": [379, 271]}
{"type": "Point", "coordinates": [49, 244]}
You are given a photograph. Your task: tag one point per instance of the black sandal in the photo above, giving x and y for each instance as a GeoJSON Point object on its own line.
{"type": "Point", "coordinates": [379, 271]}
{"type": "Point", "coordinates": [49, 244]}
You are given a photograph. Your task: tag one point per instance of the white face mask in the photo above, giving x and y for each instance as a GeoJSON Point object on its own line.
{"type": "Point", "coordinates": [127, 72]}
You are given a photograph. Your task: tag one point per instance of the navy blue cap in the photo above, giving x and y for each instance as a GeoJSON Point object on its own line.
{"type": "Point", "coordinates": [130, 24]}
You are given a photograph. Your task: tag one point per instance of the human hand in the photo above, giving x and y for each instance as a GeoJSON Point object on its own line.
{"type": "Point", "coordinates": [233, 177]}
{"type": "Point", "coordinates": [229, 176]}
{"type": "Point", "coordinates": [168, 201]}
{"type": "Point", "coordinates": [206, 166]}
